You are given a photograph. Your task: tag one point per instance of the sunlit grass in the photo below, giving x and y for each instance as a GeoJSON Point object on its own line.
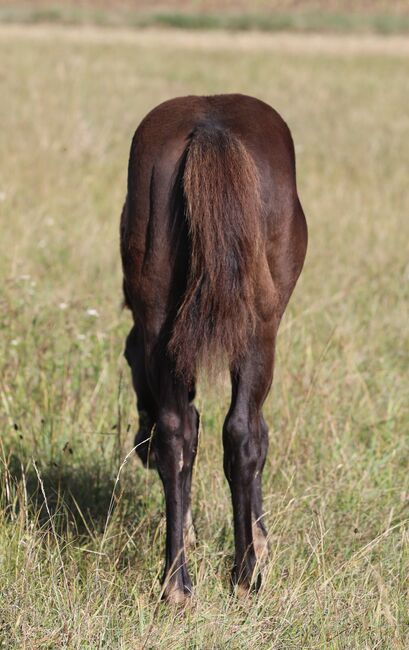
{"type": "Point", "coordinates": [336, 481]}
{"type": "Point", "coordinates": [358, 17]}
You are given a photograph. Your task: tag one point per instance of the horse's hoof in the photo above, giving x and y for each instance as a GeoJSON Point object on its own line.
{"type": "Point", "coordinates": [242, 591]}
{"type": "Point", "coordinates": [244, 587]}
{"type": "Point", "coordinates": [176, 596]}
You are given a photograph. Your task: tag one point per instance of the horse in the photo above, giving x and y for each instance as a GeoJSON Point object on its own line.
{"type": "Point", "coordinates": [213, 239]}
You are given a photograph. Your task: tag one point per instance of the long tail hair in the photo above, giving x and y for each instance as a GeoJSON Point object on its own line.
{"type": "Point", "coordinates": [222, 205]}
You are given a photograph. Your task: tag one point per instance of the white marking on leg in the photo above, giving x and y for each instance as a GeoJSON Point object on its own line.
{"type": "Point", "coordinates": [189, 535]}
{"type": "Point", "coordinates": [259, 543]}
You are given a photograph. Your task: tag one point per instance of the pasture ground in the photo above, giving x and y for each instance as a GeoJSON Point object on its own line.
{"type": "Point", "coordinates": [80, 554]}
{"type": "Point", "coordinates": [342, 16]}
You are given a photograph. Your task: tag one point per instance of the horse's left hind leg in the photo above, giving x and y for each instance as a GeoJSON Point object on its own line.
{"type": "Point", "coordinates": [175, 449]}
{"type": "Point", "coordinates": [144, 438]}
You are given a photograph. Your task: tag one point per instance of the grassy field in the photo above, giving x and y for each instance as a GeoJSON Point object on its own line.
{"type": "Point", "coordinates": [81, 542]}
{"type": "Point", "coordinates": [335, 16]}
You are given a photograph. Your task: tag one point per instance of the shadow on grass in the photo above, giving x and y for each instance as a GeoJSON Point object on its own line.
{"type": "Point", "coordinates": [79, 499]}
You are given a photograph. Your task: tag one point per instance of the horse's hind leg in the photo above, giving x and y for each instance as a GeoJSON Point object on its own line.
{"type": "Point", "coordinates": [175, 449]}
{"type": "Point", "coordinates": [144, 438]}
{"type": "Point", "coordinates": [245, 448]}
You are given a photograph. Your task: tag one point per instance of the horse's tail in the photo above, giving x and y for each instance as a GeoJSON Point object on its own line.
{"type": "Point", "coordinates": [221, 191]}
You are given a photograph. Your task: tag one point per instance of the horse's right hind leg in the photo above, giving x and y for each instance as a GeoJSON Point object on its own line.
{"type": "Point", "coordinates": [245, 446]}
{"type": "Point", "coordinates": [144, 438]}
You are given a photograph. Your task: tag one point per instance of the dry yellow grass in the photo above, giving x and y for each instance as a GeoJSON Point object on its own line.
{"type": "Point", "coordinates": [202, 40]}
{"type": "Point", "coordinates": [370, 6]}
{"type": "Point", "coordinates": [80, 555]}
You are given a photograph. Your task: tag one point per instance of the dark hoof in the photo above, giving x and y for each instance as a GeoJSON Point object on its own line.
{"type": "Point", "coordinates": [245, 586]}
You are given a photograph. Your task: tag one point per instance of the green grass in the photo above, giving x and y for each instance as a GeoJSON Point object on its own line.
{"type": "Point", "coordinates": [311, 20]}
{"type": "Point", "coordinates": [80, 555]}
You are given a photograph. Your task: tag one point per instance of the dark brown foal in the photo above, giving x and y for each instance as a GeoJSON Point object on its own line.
{"type": "Point", "coordinates": [213, 239]}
